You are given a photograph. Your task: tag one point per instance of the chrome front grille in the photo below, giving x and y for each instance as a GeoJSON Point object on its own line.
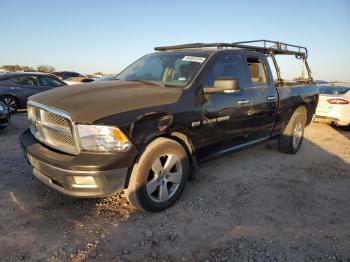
{"type": "Point", "coordinates": [52, 127]}
{"type": "Point", "coordinates": [56, 120]}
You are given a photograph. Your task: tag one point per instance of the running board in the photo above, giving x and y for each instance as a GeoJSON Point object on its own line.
{"type": "Point", "coordinates": [236, 148]}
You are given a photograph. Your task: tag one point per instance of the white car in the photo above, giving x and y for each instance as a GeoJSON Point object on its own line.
{"type": "Point", "coordinates": [78, 80]}
{"type": "Point", "coordinates": [334, 105]}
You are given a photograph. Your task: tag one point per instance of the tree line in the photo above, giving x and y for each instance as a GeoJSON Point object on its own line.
{"type": "Point", "coordinates": [40, 68]}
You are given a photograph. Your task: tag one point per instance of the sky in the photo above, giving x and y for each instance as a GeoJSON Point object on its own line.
{"type": "Point", "coordinates": [90, 36]}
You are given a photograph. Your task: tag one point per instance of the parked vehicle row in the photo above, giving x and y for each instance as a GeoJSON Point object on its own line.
{"type": "Point", "coordinates": [87, 79]}
{"type": "Point", "coordinates": [78, 80]}
{"type": "Point", "coordinates": [64, 75]}
{"type": "Point", "coordinates": [15, 88]}
{"type": "Point", "coordinates": [162, 116]}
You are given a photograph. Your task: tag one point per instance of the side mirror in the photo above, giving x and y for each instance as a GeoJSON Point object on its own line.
{"type": "Point", "coordinates": [223, 85]}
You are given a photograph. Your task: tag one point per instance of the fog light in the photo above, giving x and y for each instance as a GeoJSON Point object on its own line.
{"type": "Point", "coordinates": [84, 181]}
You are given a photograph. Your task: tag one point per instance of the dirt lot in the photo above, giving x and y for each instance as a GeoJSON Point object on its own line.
{"type": "Point", "coordinates": [257, 205]}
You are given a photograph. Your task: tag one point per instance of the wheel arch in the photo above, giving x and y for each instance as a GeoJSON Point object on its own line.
{"type": "Point", "coordinates": [179, 137]}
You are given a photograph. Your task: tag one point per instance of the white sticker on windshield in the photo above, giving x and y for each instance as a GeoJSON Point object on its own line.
{"type": "Point", "coordinates": [196, 59]}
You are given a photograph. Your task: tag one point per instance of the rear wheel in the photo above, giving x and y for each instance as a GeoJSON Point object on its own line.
{"type": "Point", "coordinates": [159, 177]}
{"type": "Point", "coordinates": [11, 102]}
{"type": "Point", "coordinates": [292, 137]}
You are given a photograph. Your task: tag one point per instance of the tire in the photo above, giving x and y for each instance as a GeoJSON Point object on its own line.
{"type": "Point", "coordinates": [159, 177]}
{"type": "Point", "coordinates": [11, 102]}
{"type": "Point", "coordinates": [291, 139]}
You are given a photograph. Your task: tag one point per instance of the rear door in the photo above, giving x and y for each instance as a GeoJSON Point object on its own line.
{"type": "Point", "coordinates": [263, 96]}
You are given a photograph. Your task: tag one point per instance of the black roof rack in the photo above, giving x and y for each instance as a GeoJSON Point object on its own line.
{"type": "Point", "coordinates": [266, 46]}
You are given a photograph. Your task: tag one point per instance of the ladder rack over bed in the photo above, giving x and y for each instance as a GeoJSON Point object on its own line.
{"type": "Point", "coordinates": [270, 48]}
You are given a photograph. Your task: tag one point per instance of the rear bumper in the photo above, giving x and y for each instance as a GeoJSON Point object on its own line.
{"type": "Point", "coordinates": [331, 120]}
{"type": "Point", "coordinates": [326, 119]}
{"type": "Point", "coordinates": [333, 114]}
{"type": "Point", "coordinates": [107, 173]}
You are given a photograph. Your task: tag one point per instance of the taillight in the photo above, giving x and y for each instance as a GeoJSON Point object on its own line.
{"type": "Point", "coordinates": [338, 101]}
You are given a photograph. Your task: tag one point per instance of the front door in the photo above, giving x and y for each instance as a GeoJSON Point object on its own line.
{"type": "Point", "coordinates": [224, 114]}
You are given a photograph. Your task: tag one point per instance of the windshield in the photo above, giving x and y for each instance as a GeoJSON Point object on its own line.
{"type": "Point", "coordinates": [168, 69]}
{"type": "Point", "coordinates": [334, 90]}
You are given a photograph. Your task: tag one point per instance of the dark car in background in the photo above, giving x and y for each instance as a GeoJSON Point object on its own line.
{"type": "Point", "coordinates": [4, 115]}
{"type": "Point", "coordinates": [15, 88]}
{"type": "Point", "coordinates": [63, 75]}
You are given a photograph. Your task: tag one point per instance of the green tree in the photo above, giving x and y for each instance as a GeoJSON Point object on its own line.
{"type": "Point", "coordinates": [12, 68]}
{"type": "Point", "coordinates": [28, 69]}
{"type": "Point", "coordinates": [299, 78]}
{"type": "Point", "coordinates": [45, 69]}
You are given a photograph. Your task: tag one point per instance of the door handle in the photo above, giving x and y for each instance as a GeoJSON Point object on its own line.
{"type": "Point", "coordinates": [271, 98]}
{"type": "Point", "coordinates": [244, 102]}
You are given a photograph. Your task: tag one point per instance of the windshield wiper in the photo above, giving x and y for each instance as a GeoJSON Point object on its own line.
{"type": "Point", "coordinates": [149, 82]}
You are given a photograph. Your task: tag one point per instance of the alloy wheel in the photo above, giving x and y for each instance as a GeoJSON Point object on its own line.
{"type": "Point", "coordinates": [11, 103]}
{"type": "Point", "coordinates": [297, 134]}
{"type": "Point", "coordinates": [164, 178]}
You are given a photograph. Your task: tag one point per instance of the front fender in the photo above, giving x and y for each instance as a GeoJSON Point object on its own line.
{"type": "Point", "coordinates": [149, 126]}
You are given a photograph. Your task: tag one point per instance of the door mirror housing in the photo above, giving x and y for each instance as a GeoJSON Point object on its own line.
{"type": "Point", "coordinates": [223, 85]}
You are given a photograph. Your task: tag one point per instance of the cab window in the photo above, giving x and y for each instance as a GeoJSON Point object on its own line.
{"type": "Point", "coordinates": [257, 72]}
{"type": "Point", "coordinates": [225, 66]}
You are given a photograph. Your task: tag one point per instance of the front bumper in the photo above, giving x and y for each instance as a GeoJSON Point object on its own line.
{"type": "Point", "coordinates": [61, 171]}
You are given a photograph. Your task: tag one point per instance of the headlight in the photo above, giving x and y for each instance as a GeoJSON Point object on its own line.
{"type": "Point", "coordinates": [2, 108]}
{"type": "Point", "coordinates": [102, 138]}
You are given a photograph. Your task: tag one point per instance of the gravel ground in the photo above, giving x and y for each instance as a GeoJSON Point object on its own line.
{"type": "Point", "coordinates": [256, 205]}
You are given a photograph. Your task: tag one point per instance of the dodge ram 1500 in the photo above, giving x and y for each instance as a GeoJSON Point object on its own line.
{"type": "Point", "coordinates": [169, 111]}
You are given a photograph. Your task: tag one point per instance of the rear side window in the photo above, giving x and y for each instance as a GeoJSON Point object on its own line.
{"type": "Point", "coordinates": [226, 66]}
{"type": "Point", "coordinates": [49, 81]}
{"type": "Point", "coordinates": [7, 82]}
{"type": "Point", "coordinates": [257, 72]}
{"type": "Point", "coordinates": [25, 80]}
{"type": "Point", "coordinates": [334, 90]}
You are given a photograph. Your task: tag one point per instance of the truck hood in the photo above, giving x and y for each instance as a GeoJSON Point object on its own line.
{"type": "Point", "coordinates": [87, 103]}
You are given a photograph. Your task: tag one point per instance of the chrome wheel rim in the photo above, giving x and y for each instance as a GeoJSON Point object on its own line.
{"type": "Point", "coordinates": [10, 103]}
{"type": "Point", "coordinates": [164, 178]}
{"type": "Point", "coordinates": [297, 134]}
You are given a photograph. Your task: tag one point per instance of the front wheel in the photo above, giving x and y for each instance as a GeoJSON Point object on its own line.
{"type": "Point", "coordinates": [292, 137]}
{"type": "Point", "coordinates": [159, 177]}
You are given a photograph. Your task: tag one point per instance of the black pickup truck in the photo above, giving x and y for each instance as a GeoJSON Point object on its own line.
{"type": "Point", "coordinates": [144, 131]}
